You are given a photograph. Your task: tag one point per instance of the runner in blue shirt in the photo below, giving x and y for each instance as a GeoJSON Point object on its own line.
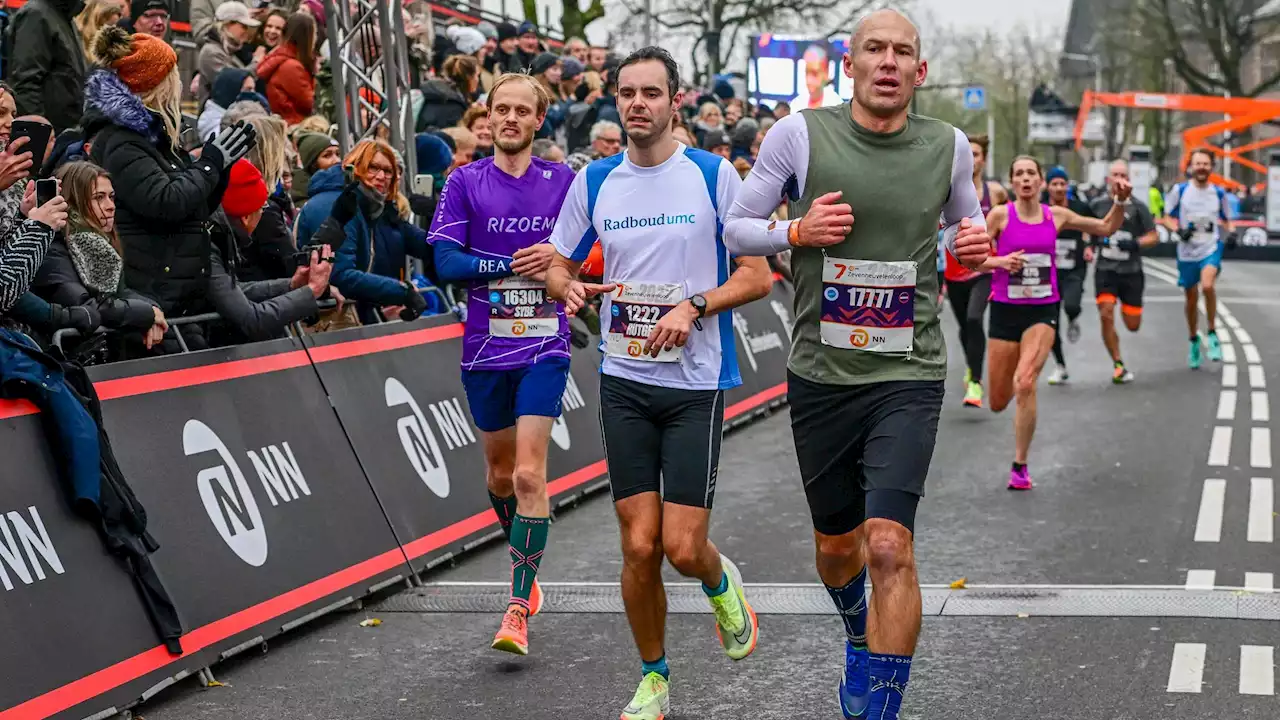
{"type": "Point", "coordinates": [489, 233]}
{"type": "Point", "coordinates": [658, 211]}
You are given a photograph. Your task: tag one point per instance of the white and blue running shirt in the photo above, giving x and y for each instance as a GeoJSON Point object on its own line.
{"type": "Point", "coordinates": [661, 224]}
{"type": "Point", "coordinates": [1204, 207]}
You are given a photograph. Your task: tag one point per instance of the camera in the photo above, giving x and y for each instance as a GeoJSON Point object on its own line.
{"type": "Point", "coordinates": [302, 256]}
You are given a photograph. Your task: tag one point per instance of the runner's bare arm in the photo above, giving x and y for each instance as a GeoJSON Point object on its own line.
{"type": "Point", "coordinates": [1100, 227]}
{"type": "Point", "coordinates": [1150, 237]}
{"type": "Point", "coordinates": [751, 281]}
{"type": "Point", "coordinates": [999, 195]}
{"type": "Point", "coordinates": [778, 174]}
{"type": "Point", "coordinates": [962, 201]}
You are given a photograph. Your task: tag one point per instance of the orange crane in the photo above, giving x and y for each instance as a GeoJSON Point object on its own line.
{"type": "Point", "coordinates": [1241, 113]}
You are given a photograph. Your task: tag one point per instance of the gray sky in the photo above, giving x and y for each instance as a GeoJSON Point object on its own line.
{"type": "Point", "coordinates": [959, 13]}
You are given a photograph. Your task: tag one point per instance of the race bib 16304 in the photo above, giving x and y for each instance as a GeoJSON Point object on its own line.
{"type": "Point", "coordinates": [519, 308]}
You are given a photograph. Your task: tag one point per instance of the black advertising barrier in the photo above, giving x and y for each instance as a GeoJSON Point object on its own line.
{"type": "Point", "coordinates": [270, 508]}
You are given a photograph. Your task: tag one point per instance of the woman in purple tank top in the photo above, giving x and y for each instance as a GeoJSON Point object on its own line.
{"type": "Point", "coordinates": [1024, 296]}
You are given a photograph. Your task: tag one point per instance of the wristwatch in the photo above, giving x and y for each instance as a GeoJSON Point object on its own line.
{"type": "Point", "coordinates": [699, 304]}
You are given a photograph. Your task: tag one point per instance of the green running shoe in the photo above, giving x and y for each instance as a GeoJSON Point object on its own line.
{"type": "Point", "coordinates": [1193, 355]}
{"type": "Point", "coordinates": [736, 623]}
{"type": "Point", "coordinates": [1215, 347]}
{"type": "Point", "coordinates": [973, 395]}
{"type": "Point", "coordinates": [651, 701]}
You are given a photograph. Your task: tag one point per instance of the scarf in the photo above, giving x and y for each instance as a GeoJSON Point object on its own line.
{"type": "Point", "coordinates": [96, 261]}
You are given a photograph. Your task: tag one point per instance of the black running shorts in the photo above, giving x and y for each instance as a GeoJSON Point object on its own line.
{"type": "Point", "coordinates": [1111, 286]}
{"type": "Point", "coordinates": [1009, 321]}
{"type": "Point", "coordinates": [661, 440]}
{"type": "Point", "coordinates": [864, 450]}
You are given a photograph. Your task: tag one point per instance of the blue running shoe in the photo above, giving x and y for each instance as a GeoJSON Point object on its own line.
{"type": "Point", "coordinates": [1193, 356]}
{"type": "Point", "coordinates": [1215, 347]}
{"type": "Point", "coordinates": [855, 682]}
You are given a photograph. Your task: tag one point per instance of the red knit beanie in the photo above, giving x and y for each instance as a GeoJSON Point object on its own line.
{"type": "Point", "coordinates": [246, 192]}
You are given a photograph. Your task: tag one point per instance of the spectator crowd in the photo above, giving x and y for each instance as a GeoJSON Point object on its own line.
{"type": "Point", "coordinates": [147, 230]}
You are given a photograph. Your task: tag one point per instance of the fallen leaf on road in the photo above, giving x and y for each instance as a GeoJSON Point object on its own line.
{"type": "Point", "coordinates": [959, 584]}
{"type": "Point", "coordinates": [370, 622]}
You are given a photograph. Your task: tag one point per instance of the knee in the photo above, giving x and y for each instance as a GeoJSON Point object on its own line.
{"type": "Point", "coordinates": [836, 550]}
{"type": "Point", "coordinates": [684, 554]}
{"type": "Point", "coordinates": [888, 549]}
{"type": "Point", "coordinates": [1024, 385]}
{"type": "Point", "coordinates": [1208, 284]}
{"type": "Point", "coordinates": [500, 481]}
{"type": "Point", "coordinates": [641, 549]}
{"type": "Point", "coordinates": [999, 403]}
{"type": "Point", "coordinates": [1107, 314]}
{"type": "Point", "coordinates": [529, 482]}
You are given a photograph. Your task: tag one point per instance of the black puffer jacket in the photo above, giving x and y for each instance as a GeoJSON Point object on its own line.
{"type": "Point", "coordinates": [163, 198]}
{"type": "Point", "coordinates": [47, 66]}
{"type": "Point", "coordinates": [58, 282]}
{"type": "Point", "coordinates": [442, 105]}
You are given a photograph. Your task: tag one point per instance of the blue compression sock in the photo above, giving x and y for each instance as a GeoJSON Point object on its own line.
{"type": "Point", "coordinates": [659, 666]}
{"type": "Point", "coordinates": [719, 590]}
{"type": "Point", "coordinates": [889, 676]}
{"type": "Point", "coordinates": [851, 601]}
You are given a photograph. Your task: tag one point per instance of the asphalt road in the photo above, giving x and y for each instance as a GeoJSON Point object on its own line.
{"type": "Point", "coordinates": [1164, 482]}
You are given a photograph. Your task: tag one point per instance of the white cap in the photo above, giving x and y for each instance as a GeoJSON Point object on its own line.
{"type": "Point", "coordinates": [235, 11]}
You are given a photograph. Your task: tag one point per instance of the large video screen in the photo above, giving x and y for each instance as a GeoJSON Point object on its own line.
{"type": "Point", "coordinates": [802, 71]}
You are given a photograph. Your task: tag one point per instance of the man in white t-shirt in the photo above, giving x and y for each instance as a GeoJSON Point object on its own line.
{"type": "Point", "coordinates": [1197, 211]}
{"type": "Point", "coordinates": [669, 355]}
{"type": "Point", "coordinates": [818, 90]}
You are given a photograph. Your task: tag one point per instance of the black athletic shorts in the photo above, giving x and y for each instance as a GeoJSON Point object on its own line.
{"type": "Point", "coordinates": [1009, 321]}
{"type": "Point", "coordinates": [661, 440]}
{"type": "Point", "coordinates": [864, 450]}
{"type": "Point", "coordinates": [1126, 288]}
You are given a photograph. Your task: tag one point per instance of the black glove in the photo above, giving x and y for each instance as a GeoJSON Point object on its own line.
{"type": "Point", "coordinates": [72, 318]}
{"type": "Point", "coordinates": [1185, 233]}
{"type": "Point", "coordinates": [414, 303]}
{"type": "Point", "coordinates": [422, 206]}
{"type": "Point", "coordinates": [230, 145]}
{"type": "Point", "coordinates": [345, 207]}
{"type": "Point", "coordinates": [1127, 244]}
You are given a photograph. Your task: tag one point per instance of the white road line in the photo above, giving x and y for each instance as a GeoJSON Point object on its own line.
{"type": "Point", "coordinates": [1257, 378]}
{"type": "Point", "coordinates": [1200, 579]}
{"type": "Point", "coordinates": [1259, 406]}
{"type": "Point", "coordinates": [1220, 446]}
{"type": "Point", "coordinates": [1251, 355]}
{"type": "Point", "coordinates": [1229, 376]}
{"type": "Point", "coordinates": [1209, 521]}
{"type": "Point", "coordinates": [1227, 405]}
{"type": "Point", "coordinates": [1187, 669]}
{"type": "Point", "coordinates": [1224, 335]}
{"type": "Point", "coordinates": [1231, 320]}
{"type": "Point", "coordinates": [1228, 353]}
{"type": "Point", "coordinates": [1257, 670]}
{"type": "Point", "coordinates": [1259, 582]}
{"type": "Point", "coordinates": [1261, 509]}
{"type": "Point", "coordinates": [1260, 447]}
{"type": "Point", "coordinates": [1242, 335]}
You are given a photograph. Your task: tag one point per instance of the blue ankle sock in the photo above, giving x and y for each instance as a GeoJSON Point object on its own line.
{"type": "Point", "coordinates": [851, 601]}
{"type": "Point", "coordinates": [889, 676]}
{"type": "Point", "coordinates": [659, 666]}
{"type": "Point", "coordinates": [719, 590]}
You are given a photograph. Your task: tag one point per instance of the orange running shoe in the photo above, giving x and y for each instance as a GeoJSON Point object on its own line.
{"type": "Point", "coordinates": [535, 599]}
{"type": "Point", "coordinates": [513, 636]}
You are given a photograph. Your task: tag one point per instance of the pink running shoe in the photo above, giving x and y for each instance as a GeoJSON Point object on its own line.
{"type": "Point", "coordinates": [1020, 479]}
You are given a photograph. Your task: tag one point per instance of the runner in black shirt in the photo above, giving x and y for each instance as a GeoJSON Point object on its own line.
{"type": "Point", "coordinates": [1074, 256]}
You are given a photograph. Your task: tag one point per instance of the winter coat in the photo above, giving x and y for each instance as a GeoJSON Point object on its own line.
{"type": "Point", "coordinates": [261, 310]}
{"type": "Point", "coordinates": [202, 14]}
{"type": "Point", "coordinates": [22, 252]}
{"type": "Point", "coordinates": [291, 88]}
{"type": "Point", "coordinates": [269, 253]}
{"type": "Point", "coordinates": [369, 263]}
{"type": "Point", "coordinates": [214, 56]}
{"type": "Point", "coordinates": [47, 67]}
{"type": "Point", "coordinates": [59, 282]}
{"type": "Point", "coordinates": [163, 197]}
{"type": "Point", "coordinates": [442, 105]}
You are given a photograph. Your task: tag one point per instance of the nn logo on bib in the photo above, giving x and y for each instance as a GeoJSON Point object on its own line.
{"type": "Point", "coordinates": [629, 222]}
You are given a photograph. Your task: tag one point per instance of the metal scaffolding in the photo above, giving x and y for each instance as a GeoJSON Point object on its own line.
{"type": "Point", "coordinates": [369, 57]}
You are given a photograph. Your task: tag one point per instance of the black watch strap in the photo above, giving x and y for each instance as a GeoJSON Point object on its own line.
{"type": "Point", "coordinates": [700, 304]}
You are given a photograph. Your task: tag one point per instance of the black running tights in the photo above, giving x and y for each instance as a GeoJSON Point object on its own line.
{"type": "Point", "coordinates": [969, 302]}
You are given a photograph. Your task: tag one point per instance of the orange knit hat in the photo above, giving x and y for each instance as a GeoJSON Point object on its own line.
{"type": "Point", "coordinates": [141, 61]}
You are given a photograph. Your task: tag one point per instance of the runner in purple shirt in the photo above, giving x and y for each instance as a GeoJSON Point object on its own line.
{"type": "Point", "coordinates": [490, 232]}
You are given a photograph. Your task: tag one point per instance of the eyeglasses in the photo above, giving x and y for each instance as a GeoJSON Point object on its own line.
{"type": "Point", "coordinates": [379, 170]}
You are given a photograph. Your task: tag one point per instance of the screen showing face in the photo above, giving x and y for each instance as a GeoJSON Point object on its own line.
{"type": "Point", "coordinates": [792, 68]}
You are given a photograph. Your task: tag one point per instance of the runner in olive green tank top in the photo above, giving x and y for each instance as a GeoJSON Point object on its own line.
{"type": "Point", "coordinates": [868, 182]}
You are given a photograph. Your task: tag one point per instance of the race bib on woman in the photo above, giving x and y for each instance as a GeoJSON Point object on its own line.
{"type": "Point", "coordinates": [519, 308]}
{"type": "Point", "coordinates": [1035, 280]}
{"type": "Point", "coordinates": [868, 305]}
{"type": "Point", "coordinates": [635, 309]}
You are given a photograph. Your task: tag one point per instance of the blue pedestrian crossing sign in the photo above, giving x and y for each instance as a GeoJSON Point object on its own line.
{"type": "Point", "coordinates": [975, 98]}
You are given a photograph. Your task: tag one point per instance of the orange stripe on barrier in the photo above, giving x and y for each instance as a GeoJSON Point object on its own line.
{"type": "Point", "coordinates": [756, 400]}
{"type": "Point", "coordinates": [16, 408]}
{"type": "Point", "coordinates": [174, 379]}
{"type": "Point", "coordinates": [356, 348]}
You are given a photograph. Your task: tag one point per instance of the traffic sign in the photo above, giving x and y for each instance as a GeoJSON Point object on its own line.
{"type": "Point", "coordinates": [975, 98]}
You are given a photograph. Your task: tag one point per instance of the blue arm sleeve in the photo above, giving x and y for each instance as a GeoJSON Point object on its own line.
{"type": "Point", "coordinates": [453, 264]}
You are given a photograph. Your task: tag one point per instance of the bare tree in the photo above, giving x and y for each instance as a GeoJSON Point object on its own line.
{"type": "Point", "coordinates": [573, 18]}
{"type": "Point", "coordinates": [719, 26]}
{"type": "Point", "coordinates": [1208, 42]}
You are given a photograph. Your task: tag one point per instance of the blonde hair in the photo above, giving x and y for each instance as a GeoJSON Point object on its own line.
{"type": "Point", "coordinates": [96, 15]}
{"type": "Point", "coordinates": [540, 93]}
{"type": "Point", "coordinates": [269, 154]}
{"type": "Point", "coordinates": [166, 100]}
{"type": "Point", "coordinates": [313, 124]}
{"type": "Point", "coordinates": [462, 137]}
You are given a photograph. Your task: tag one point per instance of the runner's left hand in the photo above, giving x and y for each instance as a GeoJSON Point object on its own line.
{"type": "Point", "coordinates": [533, 260]}
{"type": "Point", "coordinates": [1122, 190]}
{"type": "Point", "coordinates": [973, 245]}
{"type": "Point", "coordinates": [672, 331]}
{"type": "Point", "coordinates": [1088, 254]}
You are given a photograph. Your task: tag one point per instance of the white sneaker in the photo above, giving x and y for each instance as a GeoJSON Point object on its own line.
{"type": "Point", "coordinates": [1059, 376]}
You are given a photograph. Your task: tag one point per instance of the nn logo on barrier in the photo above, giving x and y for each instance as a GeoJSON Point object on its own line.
{"type": "Point", "coordinates": [753, 344]}
{"type": "Point", "coordinates": [571, 400]}
{"type": "Point", "coordinates": [227, 498]}
{"type": "Point", "coordinates": [419, 441]}
{"type": "Point", "coordinates": [23, 545]}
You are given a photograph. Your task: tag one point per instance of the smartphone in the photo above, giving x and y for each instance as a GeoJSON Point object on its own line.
{"type": "Point", "coordinates": [348, 174]}
{"type": "Point", "coordinates": [37, 134]}
{"type": "Point", "coordinates": [46, 190]}
{"type": "Point", "coordinates": [424, 185]}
